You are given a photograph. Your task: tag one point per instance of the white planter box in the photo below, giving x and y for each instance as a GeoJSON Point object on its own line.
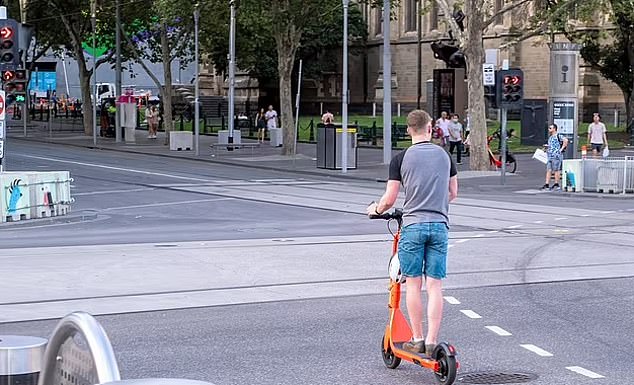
{"type": "Point", "coordinates": [181, 141]}
{"type": "Point", "coordinates": [223, 137]}
{"type": "Point", "coordinates": [276, 137]}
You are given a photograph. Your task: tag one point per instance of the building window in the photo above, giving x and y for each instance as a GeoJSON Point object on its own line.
{"type": "Point", "coordinates": [411, 15]}
{"type": "Point", "coordinates": [499, 4]}
{"type": "Point", "coordinates": [433, 16]}
{"type": "Point", "coordinates": [378, 21]}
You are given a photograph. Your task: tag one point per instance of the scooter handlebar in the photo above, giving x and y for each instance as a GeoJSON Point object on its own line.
{"type": "Point", "coordinates": [396, 214]}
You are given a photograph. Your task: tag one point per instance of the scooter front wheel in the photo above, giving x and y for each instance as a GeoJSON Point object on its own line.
{"type": "Point", "coordinates": [389, 359]}
{"type": "Point", "coordinates": [446, 374]}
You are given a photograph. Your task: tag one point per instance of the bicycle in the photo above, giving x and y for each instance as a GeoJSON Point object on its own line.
{"type": "Point", "coordinates": [511, 161]}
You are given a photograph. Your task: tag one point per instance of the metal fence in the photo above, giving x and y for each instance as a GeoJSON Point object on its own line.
{"type": "Point", "coordinates": [609, 175]}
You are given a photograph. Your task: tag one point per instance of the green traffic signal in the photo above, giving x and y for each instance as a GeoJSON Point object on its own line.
{"type": "Point", "coordinates": [20, 99]}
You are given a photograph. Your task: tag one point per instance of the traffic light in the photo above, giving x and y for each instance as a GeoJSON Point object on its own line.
{"type": "Point", "coordinates": [510, 89]}
{"type": "Point", "coordinates": [9, 48]}
{"type": "Point", "coordinates": [15, 85]}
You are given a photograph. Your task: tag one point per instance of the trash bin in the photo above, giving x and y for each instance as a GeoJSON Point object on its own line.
{"type": "Point", "coordinates": [21, 359]}
{"type": "Point", "coordinates": [329, 147]}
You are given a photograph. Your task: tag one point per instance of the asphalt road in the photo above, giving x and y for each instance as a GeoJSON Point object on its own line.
{"type": "Point", "coordinates": [238, 276]}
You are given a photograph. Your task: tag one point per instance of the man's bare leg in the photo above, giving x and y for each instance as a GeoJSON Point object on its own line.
{"type": "Point", "coordinates": [414, 300]}
{"type": "Point", "coordinates": [434, 309]}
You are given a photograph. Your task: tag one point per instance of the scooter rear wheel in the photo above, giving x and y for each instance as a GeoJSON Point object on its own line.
{"type": "Point", "coordinates": [389, 359]}
{"type": "Point", "coordinates": [446, 375]}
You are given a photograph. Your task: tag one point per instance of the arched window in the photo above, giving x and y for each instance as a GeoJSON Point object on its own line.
{"type": "Point", "coordinates": [411, 15]}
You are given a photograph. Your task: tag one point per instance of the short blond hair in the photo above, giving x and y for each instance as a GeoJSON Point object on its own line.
{"type": "Point", "coordinates": [418, 120]}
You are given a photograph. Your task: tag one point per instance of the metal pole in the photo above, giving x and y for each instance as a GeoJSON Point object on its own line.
{"type": "Point", "coordinates": [387, 85]}
{"type": "Point", "coordinates": [93, 7]}
{"type": "Point", "coordinates": [419, 55]}
{"type": "Point", "coordinates": [503, 147]}
{"type": "Point", "coordinates": [25, 106]}
{"type": "Point", "coordinates": [344, 93]}
{"type": "Point", "coordinates": [232, 69]}
{"type": "Point", "coordinates": [196, 85]}
{"type": "Point", "coordinates": [299, 90]}
{"type": "Point", "coordinates": [117, 81]}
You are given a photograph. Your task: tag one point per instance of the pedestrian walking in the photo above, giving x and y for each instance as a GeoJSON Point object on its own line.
{"type": "Point", "coordinates": [260, 121]}
{"type": "Point", "coordinates": [152, 117]}
{"type": "Point", "coordinates": [455, 137]}
{"type": "Point", "coordinates": [597, 135]}
{"type": "Point", "coordinates": [422, 250]}
{"type": "Point", "coordinates": [271, 118]}
{"type": "Point", "coordinates": [556, 146]}
{"type": "Point", "coordinates": [443, 124]}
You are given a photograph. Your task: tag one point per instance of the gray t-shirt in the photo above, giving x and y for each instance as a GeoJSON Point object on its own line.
{"type": "Point", "coordinates": [424, 170]}
{"type": "Point", "coordinates": [455, 132]}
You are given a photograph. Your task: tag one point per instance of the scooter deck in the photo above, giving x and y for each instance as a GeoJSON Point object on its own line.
{"type": "Point", "coordinates": [399, 346]}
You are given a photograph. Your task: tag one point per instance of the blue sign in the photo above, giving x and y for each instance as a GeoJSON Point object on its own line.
{"type": "Point", "coordinates": [42, 81]}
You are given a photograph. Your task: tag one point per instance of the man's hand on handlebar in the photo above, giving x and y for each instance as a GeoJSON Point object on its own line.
{"type": "Point", "coordinates": [371, 210]}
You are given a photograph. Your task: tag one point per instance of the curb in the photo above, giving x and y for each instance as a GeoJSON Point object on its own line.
{"type": "Point", "coordinates": [227, 163]}
{"type": "Point", "coordinates": [76, 218]}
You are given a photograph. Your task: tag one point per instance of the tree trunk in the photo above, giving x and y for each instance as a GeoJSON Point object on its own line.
{"type": "Point", "coordinates": [166, 90]}
{"type": "Point", "coordinates": [287, 41]}
{"type": "Point", "coordinates": [86, 90]}
{"type": "Point", "coordinates": [629, 112]}
{"type": "Point", "coordinates": [474, 53]}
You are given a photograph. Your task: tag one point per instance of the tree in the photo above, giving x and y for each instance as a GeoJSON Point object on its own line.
{"type": "Point", "coordinates": [164, 35]}
{"type": "Point", "coordinates": [480, 15]}
{"type": "Point", "coordinates": [76, 28]}
{"type": "Point", "coordinates": [607, 43]}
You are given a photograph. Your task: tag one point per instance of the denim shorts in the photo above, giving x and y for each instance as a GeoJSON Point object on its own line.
{"type": "Point", "coordinates": [422, 250]}
{"type": "Point", "coordinates": [554, 163]}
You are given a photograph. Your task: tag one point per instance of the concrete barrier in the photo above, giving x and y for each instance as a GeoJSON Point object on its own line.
{"type": "Point", "coordinates": [30, 194]}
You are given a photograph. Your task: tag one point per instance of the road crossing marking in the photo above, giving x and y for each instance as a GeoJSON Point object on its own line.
{"type": "Point", "coordinates": [494, 231]}
{"type": "Point", "coordinates": [585, 215]}
{"type": "Point", "coordinates": [499, 331]}
{"type": "Point", "coordinates": [515, 227]}
{"type": "Point", "coordinates": [471, 314]}
{"type": "Point", "coordinates": [452, 300]}
{"type": "Point", "coordinates": [537, 350]}
{"type": "Point", "coordinates": [538, 222]}
{"type": "Point", "coordinates": [608, 212]}
{"type": "Point", "coordinates": [561, 219]}
{"type": "Point", "coordinates": [462, 240]}
{"type": "Point", "coordinates": [584, 372]}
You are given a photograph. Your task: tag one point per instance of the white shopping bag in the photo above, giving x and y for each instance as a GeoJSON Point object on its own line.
{"type": "Point", "coordinates": [606, 152]}
{"type": "Point", "coordinates": [541, 156]}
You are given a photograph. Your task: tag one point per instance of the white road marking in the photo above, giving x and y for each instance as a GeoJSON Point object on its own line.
{"type": "Point", "coordinates": [450, 246]}
{"type": "Point", "coordinates": [515, 227]}
{"type": "Point", "coordinates": [478, 236]}
{"type": "Point", "coordinates": [113, 192]}
{"type": "Point", "coordinates": [561, 219]}
{"type": "Point", "coordinates": [499, 331]}
{"type": "Point", "coordinates": [494, 231]}
{"type": "Point", "coordinates": [471, 314]}
{"type": "Point", "coordinates": [115, 168]}
{"type": "Point", "coordinates": [538, 222]}
{"type": "Point", "coordinates": [537, 350]}
{"type": "Point", "coordinates": [462, 240]}
{"type": "Point", "coordinates": [452, 300]}
{"type": "Point", "coordinates": [608, 212]}
{"type": "Point", "coordinates": [167, 204]}
{"type": "Point", "coordinates": [585, 215]}
{"type": "Point", "coordinates": [584, 372]}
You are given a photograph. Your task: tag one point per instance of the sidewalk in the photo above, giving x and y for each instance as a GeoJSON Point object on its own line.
{"type": "Point", "coordinates": [370, 165]}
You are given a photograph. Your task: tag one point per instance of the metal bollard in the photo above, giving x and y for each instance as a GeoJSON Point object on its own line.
{"type": "Point", "coordinates": [21, 359]}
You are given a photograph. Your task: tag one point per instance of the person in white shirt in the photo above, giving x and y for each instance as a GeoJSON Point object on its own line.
{"type": "Point", "coordinates": [597, 135]}
{"type": "Point", "coordinates": [443, 124]}
{"type": "Point", "coordinates": [271, 118]}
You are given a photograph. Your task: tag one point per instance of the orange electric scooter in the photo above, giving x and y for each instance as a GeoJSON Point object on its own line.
{"type": "Point", "coordinates": [443, 360]}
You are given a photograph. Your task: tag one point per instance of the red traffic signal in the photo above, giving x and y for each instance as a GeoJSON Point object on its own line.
{"type": "Point", "coordinates": [7, 76]}
{"type": "Point", "coordinates": [6, 33]}
{"type": "Point", "coordinates": [510, 88]}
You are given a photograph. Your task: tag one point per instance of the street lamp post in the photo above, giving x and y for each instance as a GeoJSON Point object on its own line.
{"type": "Point", "coordinates": [344, 92]}
{"type": "Point", "coordinates": [196, 85]}
{"type": "Point", "coordinates": [93, 18]}
{"type": "Point", "coordinates": [387, 85]}
{"type": "Point", "coordinates": [232, 69]}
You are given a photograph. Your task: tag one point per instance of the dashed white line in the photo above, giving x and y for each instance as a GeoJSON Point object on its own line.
{"type": "Point", "coordinates": [538, 222]}
{"type": "Point", "coordinates": [585, 215]}
{"type": "Point", "coordinates": [462, 240]}
{"type": "Point", "coordinates": [608, 212]}
{"type": "Point", "coordinates": [478, 236]}
{"type": "Point", "coordinates": [499, 331]}
{"type": "Point", "coordinates": [584, 372]}
{"type": "Point", "coordinates": [561, 219]}
{"type": "Point", "coordinates": [515, 227]}
{"type": "Point", "coordinates": [471, 314]}
{"type": "Point", "coordinates": [452, 300]}
{"type": "Point", "coordinates": [494, 231]}
{"type": "Point", "coordinates": [537, 350]}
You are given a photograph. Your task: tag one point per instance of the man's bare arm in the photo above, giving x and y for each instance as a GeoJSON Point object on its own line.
{"type": "Point", "coordinates": [453, 188]}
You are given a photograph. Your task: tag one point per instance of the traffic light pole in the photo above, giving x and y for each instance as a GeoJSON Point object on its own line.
{"type": "Point", "coordinates": [503, 147]}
